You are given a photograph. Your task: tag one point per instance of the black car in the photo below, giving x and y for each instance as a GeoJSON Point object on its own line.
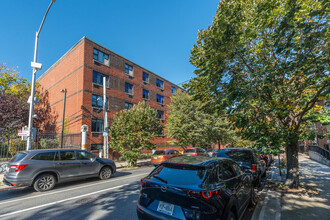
{"type": "Point", "coordinates": [247, 159]}
{"type": "Point", "coordinates": [195, 188]}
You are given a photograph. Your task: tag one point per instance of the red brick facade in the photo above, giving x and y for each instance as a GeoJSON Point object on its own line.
{"type": "Point", "coordinates": [74, 72]}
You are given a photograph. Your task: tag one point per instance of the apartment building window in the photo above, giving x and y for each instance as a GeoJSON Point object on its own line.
{"type": "Point", "coordinates": [98, 79]}
{"type": "Point", "coordinates": [97, 125]}
{"type": "Point", "coordinates": [101, 57]}
{"type": "Point", "coordinates": [145, 77]}
{"type": "Point", "coordinates": [129, 70]}
{"type": "Point", "coordinates": [96, 146]}
{"type": "Point", "coordinates": [160, 114]}
{"type": "Point", "coordinates": [128, 105]}
{"type": "Point", "coordinates": [129, 89]}
{"type": "Point", "coordinates": [145, 94]}
{"type": "Point", "coordinates": [160, 99]}
{"type": "Point", "coordinates": [159, 84]}
{"type": "Point", "coordinates": [173, 90]}
{"type": "Point", "coordinates": [97, 101]}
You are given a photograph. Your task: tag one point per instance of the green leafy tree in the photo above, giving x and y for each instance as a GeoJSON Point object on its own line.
{"type": "Point", "coordinates": [12, 83]}
{"type": "Point", "coordinates": [133, 130]}
{"type": "Point", "coordinates": [187, 122]}
{"type": "Point", "coordinates": [266, 62]}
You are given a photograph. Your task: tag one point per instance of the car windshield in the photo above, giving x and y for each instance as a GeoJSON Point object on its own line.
{"type": "Point", "coordinates": [179, 175]}
{"type": "Point", "coordinates": [190, 151]}
{"type": "Point", "coordinates": [18, 157]}
{"type": "Point", "coordinates": [237, 155]}
{"type": "Point", "coordinates": [159, 152]}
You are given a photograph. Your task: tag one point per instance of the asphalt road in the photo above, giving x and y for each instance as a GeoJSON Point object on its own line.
{"type": "Point", "coordinates": [115, 198]}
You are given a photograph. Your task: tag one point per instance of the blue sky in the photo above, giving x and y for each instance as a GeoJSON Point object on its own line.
{"type": "Point", "coordinates": [157, 35]}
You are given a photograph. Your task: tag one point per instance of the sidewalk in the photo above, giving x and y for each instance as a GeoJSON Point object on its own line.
{"type": "Point", "coordinates": [119, 164]}
{"type": "Point", "coordinates": [310, 202]}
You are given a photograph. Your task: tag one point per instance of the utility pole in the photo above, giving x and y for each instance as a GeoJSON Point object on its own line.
{"type": "Point", "coordinates": [64, 101]}
{"type": "Point", "coordinates": [35, 67]}
{"type": "Point", "coordinates": [105, 117]}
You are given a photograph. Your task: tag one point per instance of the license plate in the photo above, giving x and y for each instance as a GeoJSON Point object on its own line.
{"type": "Point", "coordinates": [165, 207]}
{"type": "Point", "coordinates": [155, 158]}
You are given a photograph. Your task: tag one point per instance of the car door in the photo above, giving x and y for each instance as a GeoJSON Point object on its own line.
{"type": "Point", "coordinates": [66, 164]}
{"type": "Point", "coordinates": [88, 163]}
{"type": "Point", "coordinates": [233, 182]}
{"type": "Point", "coordinates": [246, 183]}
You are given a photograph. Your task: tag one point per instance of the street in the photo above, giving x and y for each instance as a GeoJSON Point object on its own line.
{"type": "Point", "coordinates": [115, 198]}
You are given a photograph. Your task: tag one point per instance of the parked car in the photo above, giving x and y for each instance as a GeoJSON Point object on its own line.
{"type": "Point", "coordinates": [159, 156]}
{"type": "Point", "coordinates": [195, 188]}
{"type": "Point", "coordinates": [247, 159]}
{"type": "Point", "coordinates": [42, 169]}
{"type": "Point", "coordinates": [195, 152]}
{"type": "Point", "coordinates": [213, 153]}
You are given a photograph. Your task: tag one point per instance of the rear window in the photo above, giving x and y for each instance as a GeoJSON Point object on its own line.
{"type": "Point", "coordinates": [159, 152]}
{"type": "Point", "coordinates": [190, 151]}
{"type": "Point", "coordinates": [18, 157]}
{"type": "Point", "coordinates": [44, 156]}
{"type": "Point", "coordinates": [180, 176]}
{"type": "Point", "coordinates": [237, 155]}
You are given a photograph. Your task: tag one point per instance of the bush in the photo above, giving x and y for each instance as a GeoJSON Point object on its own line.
{"type": "Point", "coordinates": [48, 143]}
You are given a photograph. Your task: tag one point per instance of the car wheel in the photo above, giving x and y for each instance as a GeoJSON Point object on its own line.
{"type": "Point", "coordinates": [231, 216]}
{"type": "Point", "coordinates": [105, 173]}
{"type": "Point", "coordinates": [44, 182]}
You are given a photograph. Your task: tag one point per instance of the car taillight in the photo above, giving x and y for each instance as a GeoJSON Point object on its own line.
{"type": "Point", "coordinates": [205, 194]}
{"type": "Point", "coordinates": [144, 183]}
{"type": "Point", "coordinates": [18, 167]}
{"type": "Point", "coordinates": [253, 167]}
{"type": "Point", "coordinates": [208, 195]}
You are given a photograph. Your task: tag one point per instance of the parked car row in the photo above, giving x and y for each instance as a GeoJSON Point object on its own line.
{"type": "Point", "coordinates": [200, 185]}
{"type": "Point", "coordinates": [196, 187]}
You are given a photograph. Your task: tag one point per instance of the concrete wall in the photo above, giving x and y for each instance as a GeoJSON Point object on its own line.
{"type": "Point", "coordinates": [318, 157]}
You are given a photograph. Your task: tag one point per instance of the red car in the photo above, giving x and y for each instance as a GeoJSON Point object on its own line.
{"type": "Point", "coordinates": [195, 152]}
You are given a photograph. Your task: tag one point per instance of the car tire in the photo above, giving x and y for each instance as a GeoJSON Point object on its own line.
{"type": "Point", "coordinates": [105, 173]}
{"type": "Point", "coordinates": [44, 182]}
{"type": "Point", "coordinates": [231, 216]}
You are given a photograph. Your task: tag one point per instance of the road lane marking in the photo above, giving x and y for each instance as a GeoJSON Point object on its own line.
{"type": "Point", "coordinates": [60, 201]}
{"type": "Point", "coordinates": [79, 187]}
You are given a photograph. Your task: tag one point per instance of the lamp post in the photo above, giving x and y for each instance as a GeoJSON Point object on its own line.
{"type": "Point", "coordinates": [35, 67]}
{"type": "Point", "coordinates": [64, 101]}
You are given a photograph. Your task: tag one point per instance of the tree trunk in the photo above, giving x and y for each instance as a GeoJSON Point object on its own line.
{"type": "Point", "coordinates": [292, 175]}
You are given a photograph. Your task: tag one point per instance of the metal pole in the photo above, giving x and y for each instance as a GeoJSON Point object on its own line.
{"type": "Point", "coordinates": [105, 117]}
{"type": "Point", "coordinates": [106, 149]}
{"type": "Point", "coordinates": [64, 101]}
{"type": "Point", "coordinates": [28, 144]}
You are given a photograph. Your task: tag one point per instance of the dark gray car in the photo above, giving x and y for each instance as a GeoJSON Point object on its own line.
{"type": "Point", "coordinates": [42, 169]}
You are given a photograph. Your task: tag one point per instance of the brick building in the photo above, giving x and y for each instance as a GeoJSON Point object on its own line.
{"type": "Point", "coordinates": [81, 70]}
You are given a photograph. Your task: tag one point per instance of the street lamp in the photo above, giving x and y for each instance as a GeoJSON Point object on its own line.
{"type": "Point", "coordinates": [64, 101]}
{"type": "Point", "coordinates": [35, 67]}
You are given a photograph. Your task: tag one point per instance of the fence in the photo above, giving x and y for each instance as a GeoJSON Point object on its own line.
{"type": "Point", "coordinates": [325, 153]}
{"type": "Point", "coordinates": [10, 143]}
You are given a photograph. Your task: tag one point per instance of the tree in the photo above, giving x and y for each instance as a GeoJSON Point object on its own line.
{"type": "Point", "coordinates": [132, 131]}
{"type": "Point", "coordinates": [13, 111]}
{"type": "Point", "coordinates": [266, 62]}
{"type": "Point", "coordinates": [187, 123]}
{"type": "Point", "coordinates": [12, 83]}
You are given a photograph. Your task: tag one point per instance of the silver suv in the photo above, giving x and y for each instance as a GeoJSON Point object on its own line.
{"type": "Point", "coordinates": [42, 169]}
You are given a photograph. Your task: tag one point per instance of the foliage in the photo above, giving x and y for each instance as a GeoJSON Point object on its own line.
{"type": "Point", "coordinates": [266, 62]}
{"type": "Point", "coordinates": [46, 143]}
{"type": "Point", "coordinates": [12, 83]}
{"type": "Point", "coordinates": [14, 111]}
{"type": "Point", "coordinates": [132, 131]}
{"type": "Point", "coordinates": [187, 122]}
